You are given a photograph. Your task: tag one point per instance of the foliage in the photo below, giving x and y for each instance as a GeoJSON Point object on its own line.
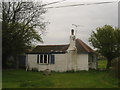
{"type": "Point", "coordinates": [107, 41]}
{"type": "Point", "coordinates": [22, 25]}
{"type": "Point", "coordinates": [116, 67]}
{"type": "Point", "coordinates": [102, 64]}
{"type": "Point", "coordinates": [83, 79]}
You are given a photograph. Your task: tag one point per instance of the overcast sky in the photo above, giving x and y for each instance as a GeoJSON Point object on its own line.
{"type": "Point", "coordinates": [89, 17]}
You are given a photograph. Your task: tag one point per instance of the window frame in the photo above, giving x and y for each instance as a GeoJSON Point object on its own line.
{"type": "Point", "coordinates": [47, 56]}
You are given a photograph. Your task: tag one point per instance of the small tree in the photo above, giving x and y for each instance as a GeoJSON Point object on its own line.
{"type": "Point", "coordinates": [106, 40]}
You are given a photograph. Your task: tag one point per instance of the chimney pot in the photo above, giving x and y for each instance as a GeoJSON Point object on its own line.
{"type": "Point", "coordinates": [72, 31]}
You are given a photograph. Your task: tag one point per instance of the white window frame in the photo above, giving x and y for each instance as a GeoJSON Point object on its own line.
{"type": "Point", "coordinates": [43, 58]}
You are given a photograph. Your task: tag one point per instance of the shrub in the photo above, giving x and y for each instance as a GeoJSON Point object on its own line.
{"type": "Point", "coordinates": [116, 67]}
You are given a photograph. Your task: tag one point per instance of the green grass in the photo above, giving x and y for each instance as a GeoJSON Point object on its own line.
{"type": "Point", "coordinates": [0, 79]}
{"type": "Point", "coordinates": [83, 79]}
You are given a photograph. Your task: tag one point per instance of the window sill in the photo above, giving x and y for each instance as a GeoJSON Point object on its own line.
{"type": "Point", "coordinates": [44, 64]}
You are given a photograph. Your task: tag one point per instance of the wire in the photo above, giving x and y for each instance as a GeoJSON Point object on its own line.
{"type": "Point", "coordinates": [53, 3]}
{"type": "Point", "coordinates": [79, 5]}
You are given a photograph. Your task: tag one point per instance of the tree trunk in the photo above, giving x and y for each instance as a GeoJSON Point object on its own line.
{"type": "Point", "coordinates": [108, 64]}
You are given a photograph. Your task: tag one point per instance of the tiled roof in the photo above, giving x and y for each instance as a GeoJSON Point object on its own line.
{"type": "Point", "coordinates": [80, 45]}
{"type": "Point", "coordinates": [50, 48]}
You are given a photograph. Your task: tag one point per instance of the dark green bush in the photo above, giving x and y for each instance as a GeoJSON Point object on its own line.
{"type": "Point", "coordinates": [116, 67]}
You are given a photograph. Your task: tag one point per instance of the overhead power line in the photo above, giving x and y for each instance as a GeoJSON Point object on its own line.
{"type": "Point", "coordinates": [81, 4]}
{"type": "Point", "coordinates": [53, 3]}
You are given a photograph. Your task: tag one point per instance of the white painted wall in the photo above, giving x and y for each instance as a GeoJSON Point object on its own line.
{"type": "Point", "coordinates": [72, 60]}
{"type": "Point", "coordinates": [32, 61]}
{"type": "Point", "coordinates": [59, 66]}
{"type": "Point", "coordinates": [60, 62]}
{"type": "Point", "coordinates": [72, 43]}
{"type": "Point", "coordinates": [82, 62]}
{"type": "Point", "coordinates": [63, 62]}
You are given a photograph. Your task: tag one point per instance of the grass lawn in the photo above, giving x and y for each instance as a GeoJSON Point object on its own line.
{"type": "Point", "coordinates": [0, 79]}
{"type": "Point", "coordinates": [84, 79]}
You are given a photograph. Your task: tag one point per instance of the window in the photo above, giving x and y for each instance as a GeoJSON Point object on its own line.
{"type": "Point", "coordinates": [52, 59]}
{"type": "Point", "coordinates": [41, 58]}
{"type": "Point", "coordinates": [37, 59]}
{"type": "Point", "coordinates": [45, 59]}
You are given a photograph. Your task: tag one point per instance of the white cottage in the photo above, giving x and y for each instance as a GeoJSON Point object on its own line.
{"type": "Point", "coordinates": [61, 58]}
